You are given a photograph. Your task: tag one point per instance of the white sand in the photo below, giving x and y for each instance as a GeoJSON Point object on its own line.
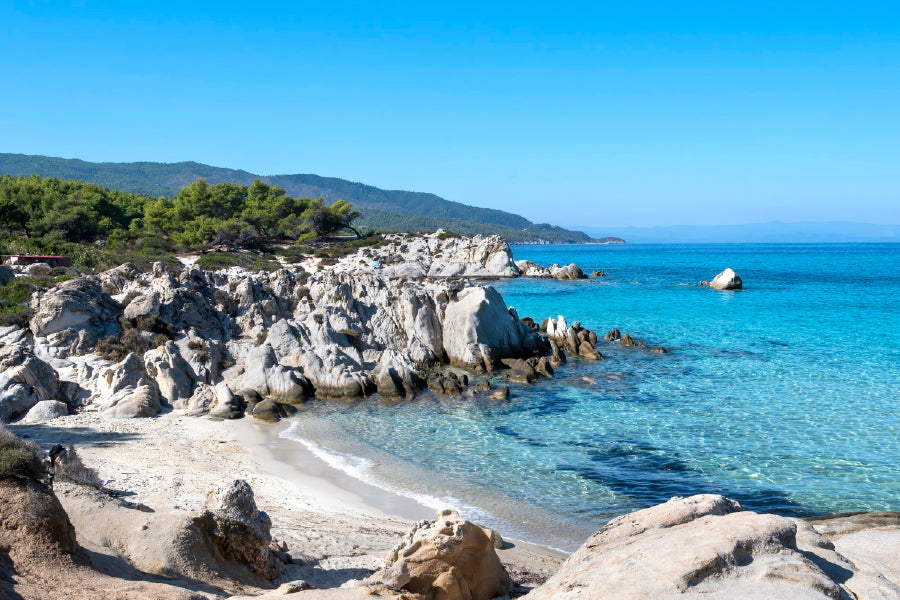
{"type": "Point", "coordinates": [340, 527]}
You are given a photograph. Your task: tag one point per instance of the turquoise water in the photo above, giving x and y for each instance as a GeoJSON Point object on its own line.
{"type": "Point", "coordinates": [784, 396]}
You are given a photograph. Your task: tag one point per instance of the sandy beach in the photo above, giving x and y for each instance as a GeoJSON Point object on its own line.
{"type": "Point", "coordinates": [335, 527]}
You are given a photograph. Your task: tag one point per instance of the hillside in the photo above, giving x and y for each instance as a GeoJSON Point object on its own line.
{"type": "Point", "coordinates": [386, 209]}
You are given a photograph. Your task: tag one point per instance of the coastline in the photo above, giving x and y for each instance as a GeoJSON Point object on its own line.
{"type": "Point", "coordinates": [339, 527]}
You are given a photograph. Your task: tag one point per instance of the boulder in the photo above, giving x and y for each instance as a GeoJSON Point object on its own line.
{"type": "Point", "coordinates": [587, 350]}
{"type": "Point", "coordinates": [265, 378]}
{"type": "Point", "coordinates": [627, 340]}
{"type": "Point", "coordinates": [44, 411]}
{"type": "Point", "coordinates": [447, 559]}
{"type": "Point", "coordinates": [74, 316]}
{"type": "Point", "coordinates": [567, 273]}
{"type": "Point", "coordinates": [173, 375]}
{"type": "Point", "coordinates": [126, 391]}
{"type": "Point", "coordinates": [216, 401]}
{"type": "Point", "coordinates": [726, 280]}
{"type": "Point", "coordinates": [269, 411]}
{"type": "Point", "coordinates": [25, 380]}
{"type": "Point", "coordinates": [238, 531]}
{"type": "Point", "coordinates": [396, 376]}
{"type": "Point", "coordinates": [706, 546]}
{"type": "Point", "coordinates": [612, 335]}
{"type": "Point", "coordinates": [501, 393]}
{"type": "Point", "coordinates": [473, 257]}
{"type": "Point", "coordinates": [478, 328]}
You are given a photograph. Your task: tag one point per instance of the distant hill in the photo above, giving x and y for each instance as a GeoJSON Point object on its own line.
{"type": "Point", "coordinates": [775, 232]}
{"type": "Point", "coordinates": [387, 209]}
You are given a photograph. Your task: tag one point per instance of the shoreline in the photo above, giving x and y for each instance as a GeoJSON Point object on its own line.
{"type": "Point", "coordinates": [339, 527]}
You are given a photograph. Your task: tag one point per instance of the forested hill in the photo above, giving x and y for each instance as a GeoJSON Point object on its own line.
{"type": "Point", "coordinates": [386, 209]}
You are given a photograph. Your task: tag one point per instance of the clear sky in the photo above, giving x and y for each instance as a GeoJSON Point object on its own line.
{"type": "Point", "coordinates": [656, 114]}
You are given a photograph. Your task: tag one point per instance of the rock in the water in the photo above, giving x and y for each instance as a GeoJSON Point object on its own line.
{"type": "Point", "coordinates": [568, 272]}
{"type": "Point", "coordinates": [627, 340]}
{"type": "Point", "coordinates": [658, 350]}
{"type": "Point", "coordinates": [612, 335]}
{"type": "Point", "coordinates": [598, 273]}
{"type": "Point", "coordinates": [45, 411]}
{"type": "Point", "coordinates": [587, 350]}
{"type": "Point", "coordinates": [706, 546]}
{"type": "Point", "coordinates": [447, 559]}
{"type": "Point", "coordinates": [501, 393]}
{"type": "Point", "coordinates": [726, 280]}
{"type": "Point", "coordinates": [270, 411]}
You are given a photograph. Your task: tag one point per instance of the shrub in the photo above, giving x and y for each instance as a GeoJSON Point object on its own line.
{"type": "Point", "coordinates": [19, 458]}
{"type": "Point", "coordinates": [115, 349]}
{"type": "Point", "coordinates": [447, 235]}
{"type": "Point", "coordinates": [69, 467]}
{"type": "Point", "coordinates": [352, 337]}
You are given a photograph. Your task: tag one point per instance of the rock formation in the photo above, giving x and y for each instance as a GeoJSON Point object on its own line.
{"type": "Point", "coordinates": [25, 380]}
{"type": "Point", "coordinates": [726, 280]}
{"type": "Point", "coordinates": [708, 546]}
{"type": "Point", "coordinates": [446, 559]}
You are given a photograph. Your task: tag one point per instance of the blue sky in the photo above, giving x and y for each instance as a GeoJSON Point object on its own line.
{"type": "Point", "coordinates": [592, 114]}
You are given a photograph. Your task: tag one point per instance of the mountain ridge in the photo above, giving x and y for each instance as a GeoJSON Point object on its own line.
{"type": "Point", "coordinates": [409, 211]}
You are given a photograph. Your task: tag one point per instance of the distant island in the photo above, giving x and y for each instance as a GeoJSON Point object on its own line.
{"type": "Point", "coordinates": [386, 210]}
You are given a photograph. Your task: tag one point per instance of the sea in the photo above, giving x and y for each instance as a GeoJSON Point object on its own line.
{"type": "Point", "coordinates": [784, 396]}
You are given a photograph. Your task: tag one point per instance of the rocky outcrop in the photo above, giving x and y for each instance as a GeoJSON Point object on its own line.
{"type": "Point", "coordinates": [126, 391]}
{"type": "Point", "coordinates": [447, 559]}
{"type": "Point", "coordinates": [707, 546]}
{"type": "Point", "coordinates": [33, 524]}
{"type": "Point", "coordinates": [232, 529]}
{"type": "Point", "coordinates": [575, 339]}
{"type": "Point", "coordinates": [25, 380]}
{"type": "Point", "coordinates": [726, 280]}
{"type": "Point", "coordinates": [554, 271]}
{"type": "Point", "coordinates": [472, 257]}
{"type": "Point", "coordinates": [480, 330]}
{"type": "Point", "coordinates": [44, 411]}
{"type": "Point", "coordinates": [74, 316]}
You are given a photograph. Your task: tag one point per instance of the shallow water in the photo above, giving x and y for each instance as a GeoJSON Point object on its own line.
{"type": "Point", "coordinates": [783, 396]}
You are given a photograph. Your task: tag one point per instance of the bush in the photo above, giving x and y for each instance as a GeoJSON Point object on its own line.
{"type": "Point", "coordinates": [447, 235]}
{"type": "Point", "coordinates": [215, 261]}
{"type": "Point", "coordinates": [115, 349]}
{"type": "Point", "coordinates": [70, 468]}
{"type": "Point", "coordinates": [20, 458]}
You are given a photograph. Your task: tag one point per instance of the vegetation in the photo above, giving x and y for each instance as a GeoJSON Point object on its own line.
{"type": "Point", "coordinates": [100, 228]}
{"type": "Point", "coordinates": [19, 458]}
{"type": "Point", "coordinates": [14, 297]}
{"type": "Point", "coordinates": [389, 210]}
{"type": "Point", "coordinates": [69, 467]}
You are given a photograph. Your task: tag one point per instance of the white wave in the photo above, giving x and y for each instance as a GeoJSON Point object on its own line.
{"type": "Point", "coordinates": [360, 468]}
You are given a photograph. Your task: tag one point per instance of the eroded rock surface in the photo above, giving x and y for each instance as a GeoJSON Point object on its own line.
{"type": "Point", "coordinates": [446, 559]}
{"type": "Point", "coordinates": [707, 546]}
